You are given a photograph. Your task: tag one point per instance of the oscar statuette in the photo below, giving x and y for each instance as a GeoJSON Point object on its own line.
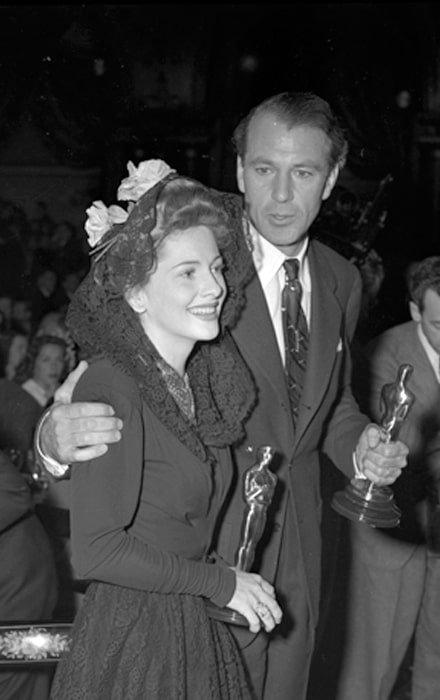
{"type": "Point", "coordinates": [258, 490]}
{"type": "Point", "coordinates": [361, 500]}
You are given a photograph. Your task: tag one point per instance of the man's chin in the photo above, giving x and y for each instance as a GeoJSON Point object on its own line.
{"type": "Point", "coordinates": [287, 242]}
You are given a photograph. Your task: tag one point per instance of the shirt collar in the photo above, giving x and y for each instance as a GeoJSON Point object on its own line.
{"type": "Point", "coordinates": [433, 356]}
{"type": "Point", "coordinates": [268, 259]}
{"type": "Point", "coordinates": [36, 391]}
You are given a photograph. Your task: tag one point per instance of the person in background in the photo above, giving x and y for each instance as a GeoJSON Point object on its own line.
{"type": "Point", "coordinates": [290, 151]}
{"type": "Point", "coordinates": [66, 251]}
{"type": "Point", "coordinates": [69, 282]}
{"type": "Point", "coordinates": [37, 377]}
{"type": "Point", "coordinates": [13, 348]}
{"type": "Point", "coordinates": [28, 580]}
{"type": "Point", "coordinates": [26, 394]}
{"type": "Point", "coordinates": [54, 323]}
{"type": "Point", "coordinates": [22, 401]}
{"type": "Point", "coordinates": [21, 313]}
{"type": "Point", "coordinates": [43, 367]}
{"type": "Point", "coordinates": [44, 295]}
{"type": "Point", "coordinates": [394, 583]}
{"type": "Point", "coordinates": [5, 312]}
{"type": "Point", "coordinates": [143, 517]}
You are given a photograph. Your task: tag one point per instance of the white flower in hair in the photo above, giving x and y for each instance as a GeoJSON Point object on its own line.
{"type": "Point", "coordinates": [101, 219]}
{"type": "Point", "coordinates": [142, 178]}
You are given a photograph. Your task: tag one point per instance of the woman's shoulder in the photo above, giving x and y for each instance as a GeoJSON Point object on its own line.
{"type": "Point", "coordinates": [103, 376]}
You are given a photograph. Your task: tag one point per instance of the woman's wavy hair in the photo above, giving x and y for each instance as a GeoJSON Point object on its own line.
{"type": "Point", "coordinates": [25, 369]}
{"type": "Point", "coordinates": [175, 205]}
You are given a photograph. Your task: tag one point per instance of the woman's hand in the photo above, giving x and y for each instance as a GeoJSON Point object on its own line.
{"type": "Point", "coordinates": [255, 599]}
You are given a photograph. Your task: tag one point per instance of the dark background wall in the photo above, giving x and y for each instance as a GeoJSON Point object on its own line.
{"type": "Point", "coordinates": [85, 88]}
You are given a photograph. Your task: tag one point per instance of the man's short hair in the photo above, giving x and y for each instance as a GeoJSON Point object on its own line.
{"type": "Point", "coordinates": [297, 109]}
{"type": "Point", "coordinates": [423, 275]}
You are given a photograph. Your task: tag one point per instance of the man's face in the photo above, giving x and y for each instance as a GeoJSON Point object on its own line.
{"type": "Point", "coordinates": [429, 317]}
{"type": "Point", "coordinates": [285, 176]}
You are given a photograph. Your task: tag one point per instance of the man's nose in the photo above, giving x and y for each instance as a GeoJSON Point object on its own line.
{"type": "Point", "coordinates": [283, 189]}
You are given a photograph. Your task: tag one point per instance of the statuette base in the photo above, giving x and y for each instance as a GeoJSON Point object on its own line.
{"type": "Point", "coordinates": [362, 501]}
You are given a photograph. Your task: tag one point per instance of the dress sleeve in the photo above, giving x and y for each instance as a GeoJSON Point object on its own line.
{"type": "Point", "coordinates": [105, 495]}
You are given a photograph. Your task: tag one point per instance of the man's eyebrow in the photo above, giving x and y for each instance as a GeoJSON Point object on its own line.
{"type": "Point", "coordinates": [307, 163]}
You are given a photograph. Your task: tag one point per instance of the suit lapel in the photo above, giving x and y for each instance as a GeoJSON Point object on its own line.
{"type": "Point", "coordinates": [325, 337]}
{"type": "Point", "coordinates": [256, 339]}
{"type": "Point", "coordinates": [254, 335]}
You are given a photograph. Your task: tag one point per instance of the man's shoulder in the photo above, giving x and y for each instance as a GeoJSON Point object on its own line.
{"type": "Point", "coordinates": [333, 258]}
{"type": "Point", "coordinates": [395, 338]}
{"type": "Point", "coordinates": [339, 271]}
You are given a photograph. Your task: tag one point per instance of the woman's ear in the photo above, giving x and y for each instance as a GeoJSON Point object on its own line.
{"type": "Point", "coordinates": [136, 299]}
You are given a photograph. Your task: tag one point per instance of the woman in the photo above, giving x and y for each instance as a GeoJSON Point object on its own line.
{"type": "Point", "coordinates": [23, 398]}
{"type": "Point", "coordinates": [43, 368]}
{"type": "Point", "coordinates": [143, 516]}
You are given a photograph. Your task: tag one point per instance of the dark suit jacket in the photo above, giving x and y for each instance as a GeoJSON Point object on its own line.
{"type": "Point", "coordinates": [19, 414]}
{"type": "Point", "coordinates": [392, 549]}
{"type": "Point", "coordinates": [28, 582]}
{"type": "Point", "coordinates": [328, 419]}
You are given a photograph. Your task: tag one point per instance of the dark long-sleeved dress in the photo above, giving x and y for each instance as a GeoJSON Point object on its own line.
{"type": "Point", "coordinates": [142, 521]}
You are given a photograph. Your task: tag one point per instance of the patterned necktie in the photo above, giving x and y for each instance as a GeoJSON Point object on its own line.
{"type": "Point", "coordinates": [296, 334]}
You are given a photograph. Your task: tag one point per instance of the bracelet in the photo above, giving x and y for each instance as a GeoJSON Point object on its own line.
{"type": "Point", "coordinates": [51, 465]}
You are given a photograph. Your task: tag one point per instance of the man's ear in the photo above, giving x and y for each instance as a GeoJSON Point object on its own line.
{"type": "Point", "coordinates": [136, 299]}
{"type": "Point", "coordinates": [331, 181]}
{"type": "Point", "coordinates": [240, 178]}
{"type": "Point", "coordinates": [415, 312]}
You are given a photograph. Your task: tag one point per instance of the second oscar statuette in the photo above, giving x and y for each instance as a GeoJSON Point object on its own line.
{"type": "Point", "coordinates": [258, 490]}
{"type": "Point", "coordinates": [361, 500]}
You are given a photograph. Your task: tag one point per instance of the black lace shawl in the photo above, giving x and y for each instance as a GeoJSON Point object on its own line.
{"type": "Point", "coordinates": [223, 388]}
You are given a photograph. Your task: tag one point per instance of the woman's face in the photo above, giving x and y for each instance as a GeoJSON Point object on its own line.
{"type": "Point", "coordinates": [49, 366]}
{"type": "Point", "coordinates": [17, 350]}
{"type": "Point", "coordinates": [181, 302]}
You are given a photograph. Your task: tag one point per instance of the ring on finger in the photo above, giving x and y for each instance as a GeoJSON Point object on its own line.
{"type": "Point", "coordinates": [262, 610]}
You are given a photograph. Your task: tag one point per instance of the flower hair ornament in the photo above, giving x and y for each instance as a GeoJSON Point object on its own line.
{"type": "Point", "coordinates": [102, 222]}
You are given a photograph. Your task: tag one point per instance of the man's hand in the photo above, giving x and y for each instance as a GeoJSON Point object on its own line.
{"type": "Point", "coordinates": [64, 392]}
{"type": "Point", "coordinates": [77, 432]}
{"type": "Point", "coordinates": [381, 462]}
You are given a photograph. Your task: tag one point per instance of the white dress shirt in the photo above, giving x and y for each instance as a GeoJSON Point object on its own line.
{"type": "Point", "coordinates": [268, 260]}
{"type": "Point", "coordinates": [433, 356]}
{"type": "Point", "coordinates": [36, 391]}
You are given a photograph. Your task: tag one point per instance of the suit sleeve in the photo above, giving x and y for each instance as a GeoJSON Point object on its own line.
{"type": "Point", "coordinates": [104, 499]}
{"type": "Point", "coordinates": [346, 421]}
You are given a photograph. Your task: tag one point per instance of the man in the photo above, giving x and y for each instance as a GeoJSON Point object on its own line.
{"type": "Point", "coordinates": [290, 150]}
{"type": "Point", "coordinates": [394, 585]}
